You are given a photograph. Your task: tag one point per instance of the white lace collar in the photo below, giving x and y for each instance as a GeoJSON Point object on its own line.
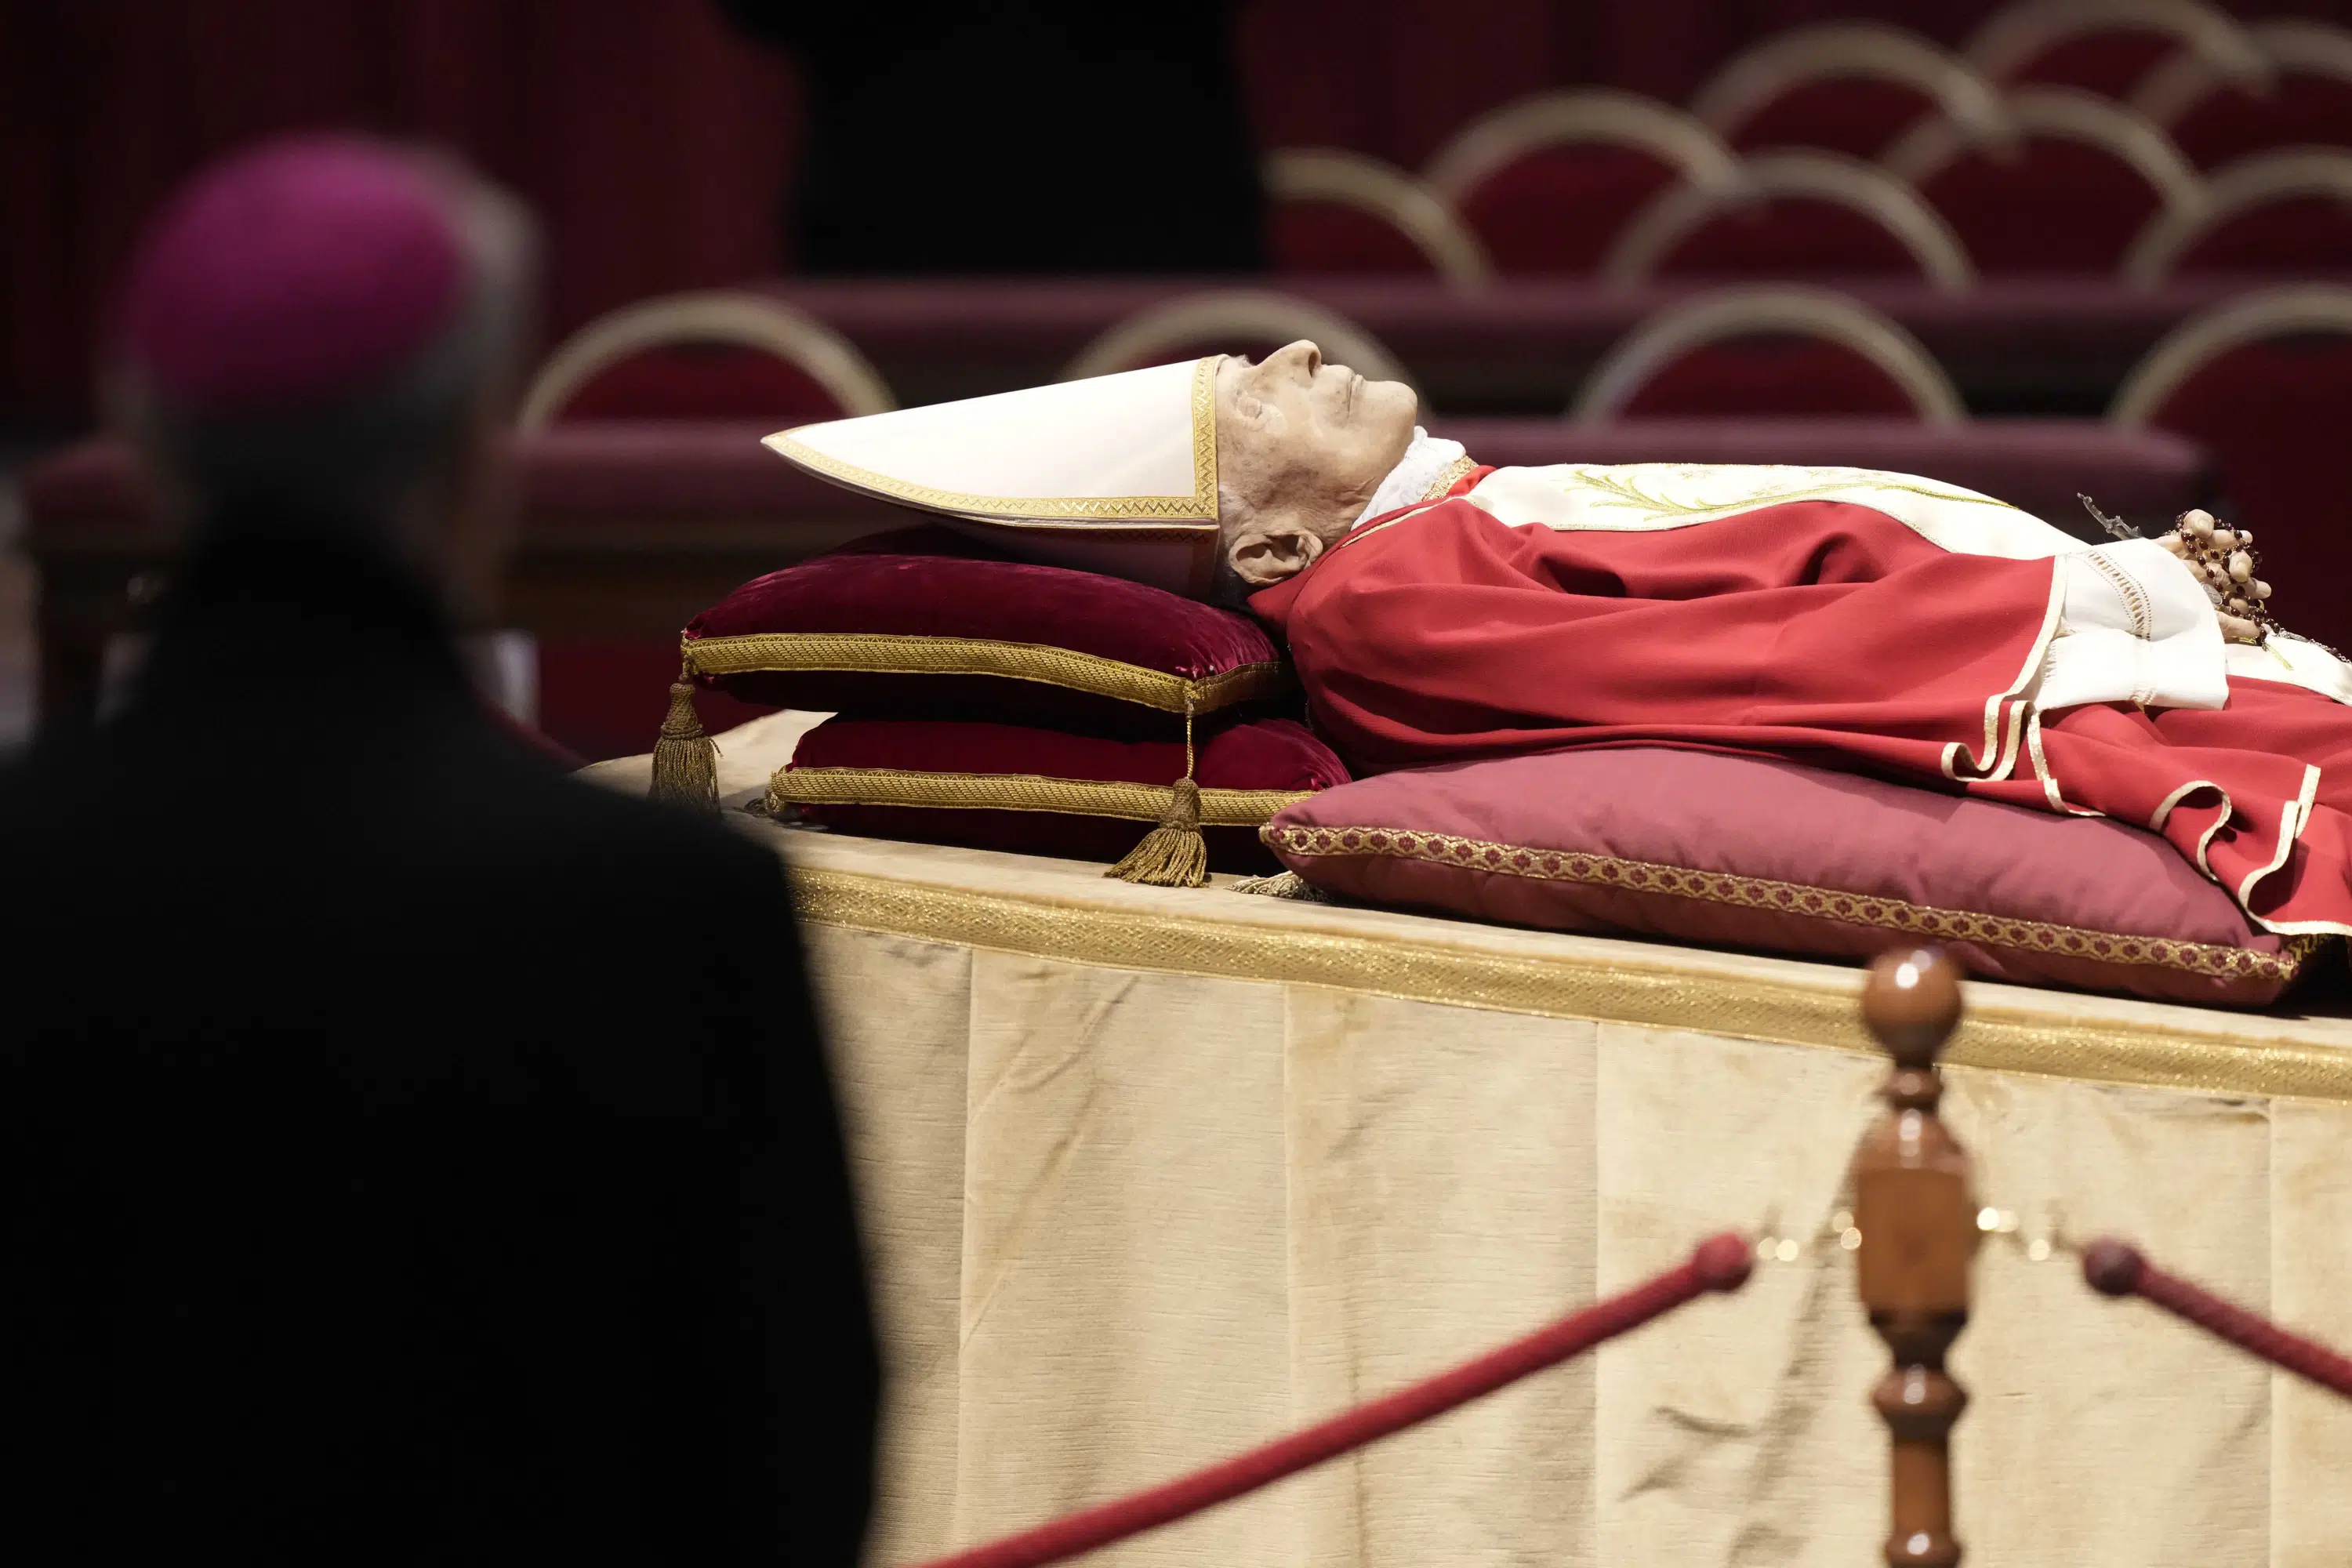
{"type": "Point", "coordinates": [1423, 461]}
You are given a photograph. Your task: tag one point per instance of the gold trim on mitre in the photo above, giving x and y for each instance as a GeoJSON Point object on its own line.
{"type": "Point", "coordinates": [1198, 510]}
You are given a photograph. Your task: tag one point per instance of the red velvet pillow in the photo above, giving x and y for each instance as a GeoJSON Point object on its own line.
{"type": "Point", "coordinates": [1754, 852]}
{"type": "Point", "coordinates": [1084, 797]}
{"type": "Point", "coordinates": [925, 623]}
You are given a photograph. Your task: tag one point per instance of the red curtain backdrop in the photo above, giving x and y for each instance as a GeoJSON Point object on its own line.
{"type": "Point", "coordinates": [654, 144]}
{"type": "Point", "coordinates": [657, 146]}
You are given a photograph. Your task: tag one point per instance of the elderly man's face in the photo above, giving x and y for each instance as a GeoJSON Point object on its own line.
{"type": "Point", "coordinates": [1301, 446]}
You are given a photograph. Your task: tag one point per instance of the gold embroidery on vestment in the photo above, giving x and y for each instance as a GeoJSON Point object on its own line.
{"type": "Point", "coordinates": [1630, 494]}
{"type": "Point", "coordinates": [1453, 474]}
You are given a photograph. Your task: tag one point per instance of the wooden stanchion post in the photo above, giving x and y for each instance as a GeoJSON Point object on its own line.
{"type": "Point", "coordinates": [1917, 1216]}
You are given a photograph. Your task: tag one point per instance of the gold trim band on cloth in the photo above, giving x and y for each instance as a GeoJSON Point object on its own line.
{"type": "Point", "coordinates": [1018, 792]}
{"type": "Point", "coordinates": [1996, 1034]}
{"type": "Point", "coordinates": [887, 654]}
{"type": "Point", "coordinates": [1459, 470]}
{"type": "Point", "coordinates": [1879, 911]}
{"type": "Point", "coordinates": [1199, 508]}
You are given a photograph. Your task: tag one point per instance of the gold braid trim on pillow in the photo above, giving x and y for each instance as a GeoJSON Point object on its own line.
{"type": "Point", "coordinates": [1876, 909]}
{"type": "Point", "coordinates": [1018, 792]}
{"type": "Point", "coordinates": [876, 653]}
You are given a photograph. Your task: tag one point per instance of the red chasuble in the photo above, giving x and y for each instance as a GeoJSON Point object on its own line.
{"type": "Point", "coordinates": [1822, 630]}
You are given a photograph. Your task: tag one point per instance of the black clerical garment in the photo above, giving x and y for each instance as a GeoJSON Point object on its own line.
{"type": "Point", "coordinates": [411, 1155]}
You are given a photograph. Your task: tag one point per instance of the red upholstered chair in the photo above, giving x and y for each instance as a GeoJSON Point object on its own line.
{"type": "Point", "coordinates": [1333, 211]}
{"type": "Point", "coordinates": [1772, 351]}
{"type": "Point", "coordinates": [2214, 120]}
{"type": "Point", "coordinates": [2264, 382]}
{"type": "Point", "coordinates": [1803, 214]}
{"type": "Point", "coordinates": [1549, 182]}
{"type": "Point", "coordinates": [1232, 320]}
{"type": "Point", "coordinates": [2107, 46]}
{"type": "Point", "coordinates": [715, 355]}
{"type": "Point", "coordinates": [1844, 88]}
{"type": "Point", "coordinates": [2274, 212]}
{"type": "Point", "coordinates": [2083, 178]}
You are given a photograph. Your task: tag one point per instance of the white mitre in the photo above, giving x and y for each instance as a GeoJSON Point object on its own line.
{"type": "Point", "coordinates": [1115, 474]}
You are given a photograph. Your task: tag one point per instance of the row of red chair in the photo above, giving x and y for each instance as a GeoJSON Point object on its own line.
{"type": "Point", "coordinates": [1857, 147]}
{"type": "Point", "coordinates": [1778, 350]}
{"type": "Point", "coordinates": [2219, 87]}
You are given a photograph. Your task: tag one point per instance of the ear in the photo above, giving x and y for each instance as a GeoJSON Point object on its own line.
{"type": "Point", "coordinates": [1263, 553]}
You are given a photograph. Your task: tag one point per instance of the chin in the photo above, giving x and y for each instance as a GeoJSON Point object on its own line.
{"type": "Point", "coordinates": [1393, 407]}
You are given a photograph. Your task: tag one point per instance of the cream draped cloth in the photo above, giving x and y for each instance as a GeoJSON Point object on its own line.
{"type": "Point", "coordinates": [1151, 1173]}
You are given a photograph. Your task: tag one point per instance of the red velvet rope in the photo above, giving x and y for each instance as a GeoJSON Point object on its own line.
{"type": "Point", "coordinates": [2117, 1268]}
{"type": "Point", "coordinates": [1721, 1263]}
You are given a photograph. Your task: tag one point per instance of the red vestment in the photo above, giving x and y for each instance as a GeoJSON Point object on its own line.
{"type": "Point", "coordinates": [1819, 630]}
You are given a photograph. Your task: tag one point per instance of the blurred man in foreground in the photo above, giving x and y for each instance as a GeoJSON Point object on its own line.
{"type": "Point", "coordinates": [406, 1154]}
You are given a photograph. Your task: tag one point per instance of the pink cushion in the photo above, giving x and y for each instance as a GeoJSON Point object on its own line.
{"type": "Point", "coordinates": [1755, 852]}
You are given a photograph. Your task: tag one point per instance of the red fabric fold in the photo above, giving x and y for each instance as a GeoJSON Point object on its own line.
{"type": "Point", "coordinates": [1819, 631]}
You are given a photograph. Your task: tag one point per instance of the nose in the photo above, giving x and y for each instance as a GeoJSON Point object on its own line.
{"type": "Point", "coordinates": [1304, 356]}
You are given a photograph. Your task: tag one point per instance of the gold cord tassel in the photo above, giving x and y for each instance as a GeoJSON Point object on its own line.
{"type": "Point", "coordinates": [1172, 855]}
{"type": "Point", "coordinates": [686, 761]}
{"type": "Point", "coordinates": [1282, 885]}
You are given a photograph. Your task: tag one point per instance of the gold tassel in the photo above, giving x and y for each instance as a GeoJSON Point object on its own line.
{"type": "Point", "coordinates": [686, 761]}
{"type": "Point", "coordinates": [1172, 855]}
{"type": "Point", "coordinates": [1283, 885]}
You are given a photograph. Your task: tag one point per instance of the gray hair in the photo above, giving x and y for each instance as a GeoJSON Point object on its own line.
{"type": "Point", "coordinates": [372, 460]}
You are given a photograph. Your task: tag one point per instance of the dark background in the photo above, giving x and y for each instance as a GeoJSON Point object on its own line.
{"type": "Point", "coordinates": [660, 145]}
